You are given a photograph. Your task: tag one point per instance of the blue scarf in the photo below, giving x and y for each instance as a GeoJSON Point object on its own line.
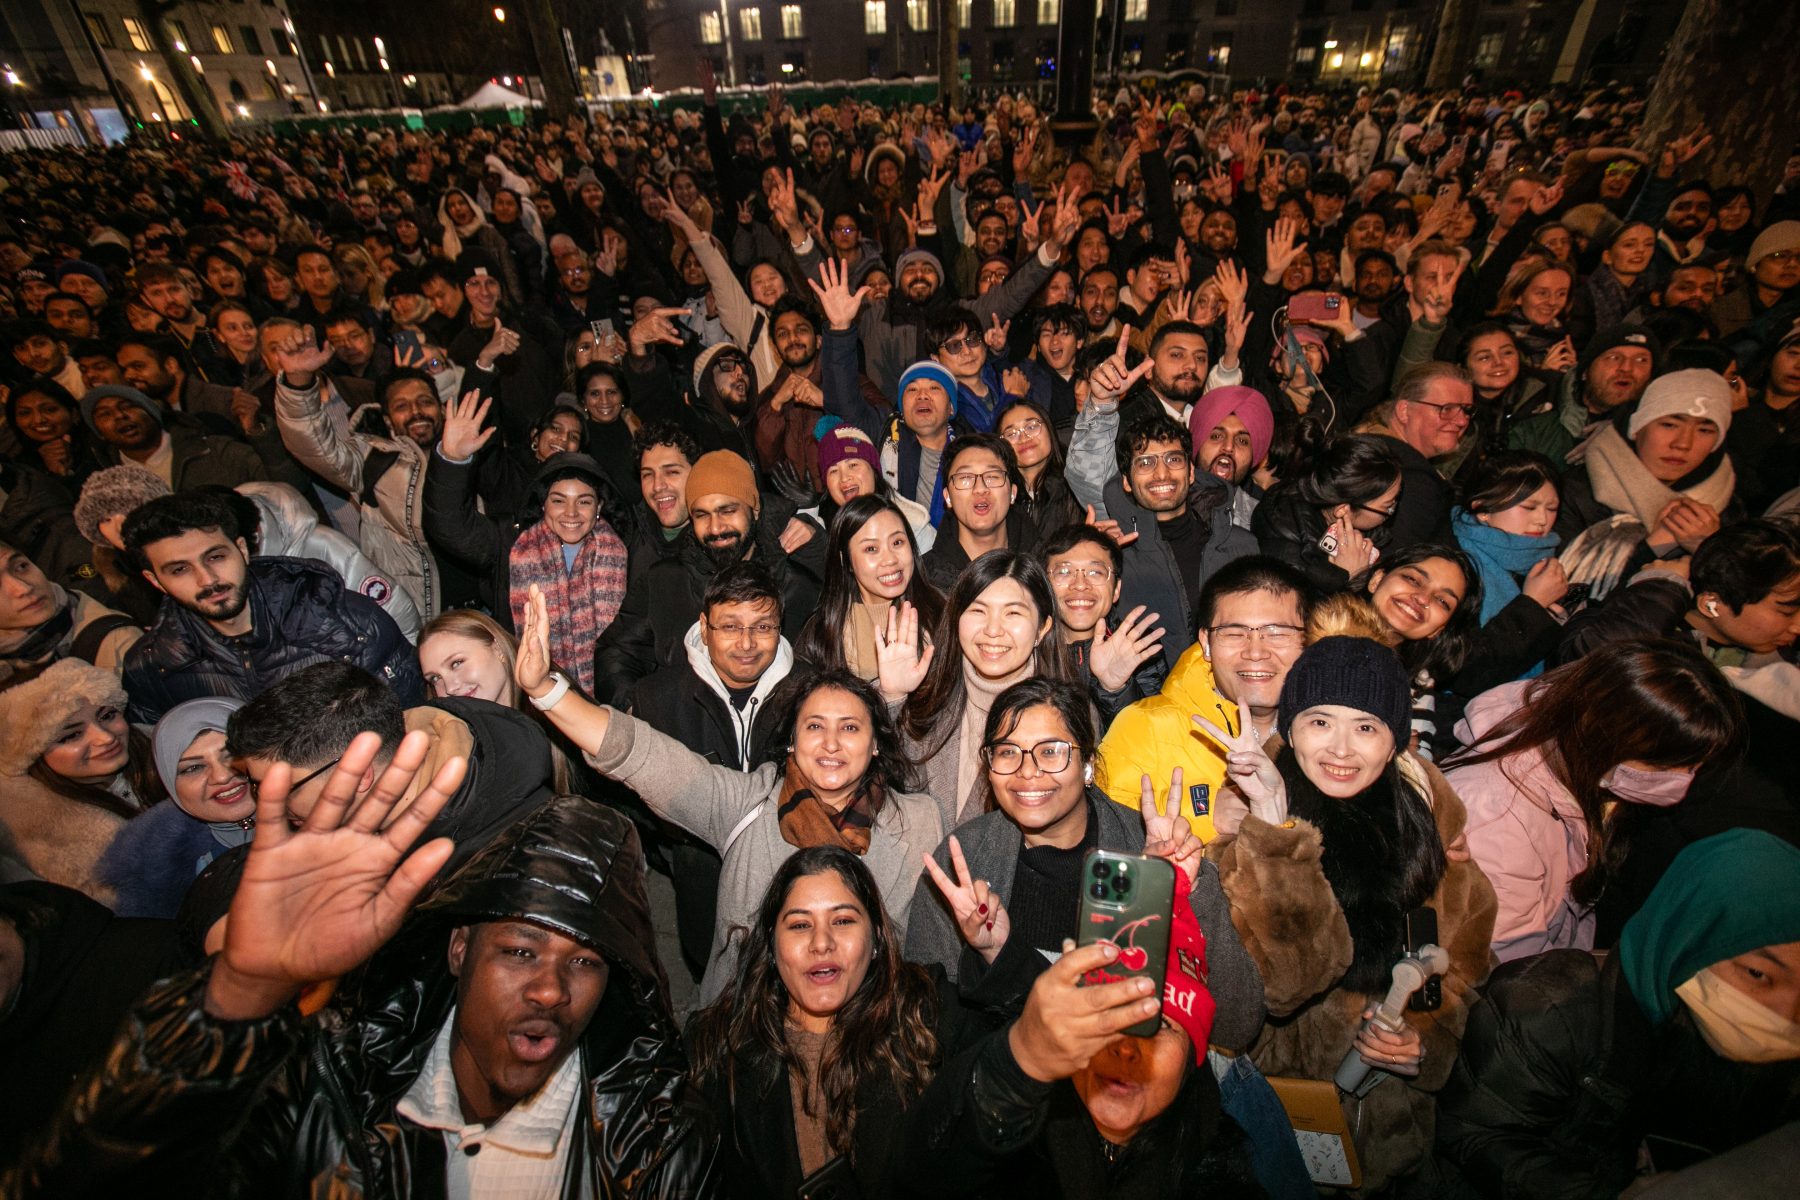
{"type": "Point", "coordinates": [1504, 559]}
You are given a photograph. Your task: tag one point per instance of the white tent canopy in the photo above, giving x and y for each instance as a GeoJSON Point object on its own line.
{"type": "Point", "coordinates": [492, 95]}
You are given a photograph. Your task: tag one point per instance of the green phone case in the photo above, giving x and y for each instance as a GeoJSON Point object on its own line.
{"type": "Point", "coordinates": [1126, 899]}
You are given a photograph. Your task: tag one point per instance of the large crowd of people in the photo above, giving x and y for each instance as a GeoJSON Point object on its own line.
{"type": "Point", "coordinates": [1382, 507]}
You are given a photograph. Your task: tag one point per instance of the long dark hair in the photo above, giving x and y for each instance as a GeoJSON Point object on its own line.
{"type": "Point", "coordinates": [1350, 470]}
{"type": "Point", "coordinates": [935, 709]}
{"type": "Point", "coordinates": [1658, 702]}
{"type": "Point", "coordinates": [887, 1027]}
{"type": "Point", "coordinates": [889, 768]}
{"type": "Point", "coordinates": [1444, 653]}
{"type": "Point", "coordinates": [822, 641]}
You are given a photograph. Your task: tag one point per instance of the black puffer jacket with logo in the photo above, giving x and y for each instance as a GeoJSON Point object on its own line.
{"type": "Point", "coordinates": [286, 1107]}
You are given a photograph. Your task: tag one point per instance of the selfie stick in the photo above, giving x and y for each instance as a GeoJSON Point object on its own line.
{"type": "Point", "coordinates": [1410, 974]}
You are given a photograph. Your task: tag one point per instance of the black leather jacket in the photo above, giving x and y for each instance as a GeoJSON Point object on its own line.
{"type": "Point", "coordinates": [287, 1107]}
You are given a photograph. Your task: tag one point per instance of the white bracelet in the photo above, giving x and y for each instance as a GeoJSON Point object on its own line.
{"type": "Point", "coordinates": [553, 697]}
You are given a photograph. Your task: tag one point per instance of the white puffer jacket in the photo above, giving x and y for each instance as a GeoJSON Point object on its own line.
{"type": "Point", "coordinates": [291, 528]}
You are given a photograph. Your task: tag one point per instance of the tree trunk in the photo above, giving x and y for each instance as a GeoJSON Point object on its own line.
{"type": "Point", "coordinates": [201, 103]}
{"type": "Point", "coordinates": [1731, 66]}
{"type": "Point", "coordinates": [545, 33]}
{"type": "Point", "coordinates": [1455, 46]}
{"type": "Point", "coordinates": [949, 80]}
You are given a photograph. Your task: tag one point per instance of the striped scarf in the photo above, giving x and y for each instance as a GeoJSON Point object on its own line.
{"type": "Point", "coordinates": [581, 602]}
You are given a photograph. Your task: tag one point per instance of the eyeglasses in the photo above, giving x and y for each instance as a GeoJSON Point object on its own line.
{"type": "Point", "coordinates": [1275, 637]}
{"type": "Point", "coordinates": [844, 229]}
{"type": "Point", "coordinates": [965, 481]}
{"type": "Point", "coordinates": [762, 631]}
{"type": "Point", "coordinates": [1064, 572]}
{"type": "Point", "coordinates": [1175, 460]}
{"type": "Point", "coordinates": [959, 345]}
{"type": "Point", "coordinates": [1448, 412]}
{"type": "Point", "coordinates": [1051, 757]}
{"type": "Point", "coordinates": [435, 366]}
{"type": "Point", "coordinates": [296, 785]}
{"type": "Point", "coordinates": [1020, 432]}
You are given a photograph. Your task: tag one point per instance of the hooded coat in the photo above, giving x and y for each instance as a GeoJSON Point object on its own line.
{"type": "Point", "coordinates": [1153, 577]}
{"type": "Point", "coordinates": [1571, 1066]}
{"type": "Point", "coordinates": [308, 1102]}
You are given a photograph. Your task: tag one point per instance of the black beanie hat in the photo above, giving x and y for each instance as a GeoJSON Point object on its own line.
{"type": "Point", "coordinates": [1354, 672]}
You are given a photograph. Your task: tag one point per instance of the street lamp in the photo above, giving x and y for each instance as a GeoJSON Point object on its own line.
{"type": "Point", "coordinates": [500, 15]}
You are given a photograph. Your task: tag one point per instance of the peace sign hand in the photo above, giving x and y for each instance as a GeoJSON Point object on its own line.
{"type": "Point", "coordinates": [980, 917]}
{"type": "Point", "coordinates": [900, 666]}
{"type": "Point", "coordinates": [995, 336]}
{"type": "Point", "coordinates": [1248, 766]}
{"type": "Point", "coordinates": [1110, 380]}
{"type": "Point", "coordinates": [1166, 832]}
{"type": "Point", "coordinates": [1114, 659]}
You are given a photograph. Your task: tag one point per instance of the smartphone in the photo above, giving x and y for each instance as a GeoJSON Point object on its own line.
{"type": "Point", "coordinates": [407, 344]}
{"type": "Point", "coordinates": [1576, 596]}
{"type": "Point", "coordinates": [1320, 307]}
{"type": "Point", "coordinates": [603, 328]}
{"type": "Point", "coordinates": [1422, 931]}
{"type": "Point", "coordinates": [1126, 899]}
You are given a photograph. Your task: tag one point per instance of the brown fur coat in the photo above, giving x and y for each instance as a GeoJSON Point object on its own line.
{"type": "Point", "coordinates": [1289, 920]}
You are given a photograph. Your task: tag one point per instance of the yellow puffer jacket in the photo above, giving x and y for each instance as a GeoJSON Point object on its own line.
{"type": "Point", "coordinates": [1155, 735]}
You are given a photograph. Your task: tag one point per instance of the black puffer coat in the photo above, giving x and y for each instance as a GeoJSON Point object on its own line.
{"type": "Point", "coordinates": [1288, 528]}
{"type": "Point", "coordinates": [283, 1107]}
{"type": "Point", "coordinates": [301, 613]}
{"type": "Point", "coordinates": [1561, 1077]}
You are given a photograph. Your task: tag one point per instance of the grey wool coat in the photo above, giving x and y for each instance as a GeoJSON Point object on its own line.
{"type": "Point", "coordinates": [991, 844]}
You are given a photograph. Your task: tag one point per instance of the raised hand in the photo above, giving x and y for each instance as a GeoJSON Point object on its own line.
{"type": "Point", "coordinates": [838, 302]}
{"type": "Point", "coordinates": [1111, 379]}
{"type": "Point", "coordinates": [463, 436]}
{"type": "Point", "coordinates": [682, 223]}
{"type": "Point", "coordinates": [1111, 528]}
{"type": "Point", "coordinates": [1281, 246]}
{"type": "Point", "coordinates": [657, 325]}
{"type": "Point", "coordinates": [1680, 151]}
{"type": "Point", "coordinates": [979, 915]}
{"type": "Point", "coordinates": [503, 342]}
{"type": "Point", "coordinates": [1546, 198]}
{"type": "Point", "coordinates": [1166, 831]}
{"type": "Point", "coordinates": [316, 901]}
{"type": "Point", "coordinates": [532, 666]}
{"type": "Point", "coordinates": [1233, 281]}
{"type": "Point", "coordinates": [1028, 227]}
{"type": "Point", "coordinates": [784, 204]}
{"type": "Point", "coordinates": [900, 665]}
{"type": "Point", "coordinates": [1023, 150]}
{"type": "Point", "coordinates": [929, 188]}
{"type": "Point", "coordinates": [1114, 658]}
{"type": "Point", "coordinates": [1237, 328]}
{"type": "Point", "coordinates": [299, 357]}
{"type": "Point", "coordinates": [1352, 551]}
{"type": "Point", "coordinates": [995, 335]}
{"type": "Point", "coordinates": [1015, 382]}
{"type": "Point", "coordinates": [1066, 223]}
{"type": "Point", "coordinates": [1064, 1024]}
{"type": "Point", "coordinates": [1249, 767]}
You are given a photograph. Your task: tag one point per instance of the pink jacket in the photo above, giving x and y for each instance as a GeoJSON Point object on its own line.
{"type": "Point", "coordinates": [1527, 835]}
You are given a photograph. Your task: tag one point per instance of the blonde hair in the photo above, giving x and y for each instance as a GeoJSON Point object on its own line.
{"type": "Point", "coordinates": [375, 294]}
{"type": "Point", "coordinates": [477, 627]}
{"type": "Point", "coordinates": [1345, 615]}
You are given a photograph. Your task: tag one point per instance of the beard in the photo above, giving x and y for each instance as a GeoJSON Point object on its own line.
{"type": "Point", "coordinates": [725, 549]}
{"type": "Point", "coordinates": [221, 602]}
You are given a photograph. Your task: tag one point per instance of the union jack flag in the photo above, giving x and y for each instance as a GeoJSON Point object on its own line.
{"type": "Point", "coordinates": [237, 178]}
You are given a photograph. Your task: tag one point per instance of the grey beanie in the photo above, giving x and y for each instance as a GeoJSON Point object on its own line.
{"type": "Point", "coordinates": [181, 725]}
{"type": "Point", "coordinates": [917, 255]}
{"type": "Point", "coordinates": [96, 394]}
{"type": "Point", "coordinates": [115, 491]}
{"type": "Point", "coordinates": [1354, 672]}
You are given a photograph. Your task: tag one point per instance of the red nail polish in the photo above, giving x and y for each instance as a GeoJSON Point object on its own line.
{"type": "Point", "coordinates": [984, 910]}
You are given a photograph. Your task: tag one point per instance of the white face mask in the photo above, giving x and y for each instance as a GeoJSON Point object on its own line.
{"type": "Point", "coordinates": [449, 384]}
{"type": "Point", "coordinates": [1736, 1026]}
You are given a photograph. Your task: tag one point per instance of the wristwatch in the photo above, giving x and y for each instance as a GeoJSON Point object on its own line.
{"type": "Point", "coordinates": [553, 697]}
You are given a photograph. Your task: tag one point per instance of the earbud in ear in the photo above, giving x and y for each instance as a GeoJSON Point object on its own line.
{"type": "Point", "coordinates": [1087, 773]}
{"type": "Point", "coordinates": [1712, 608]}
